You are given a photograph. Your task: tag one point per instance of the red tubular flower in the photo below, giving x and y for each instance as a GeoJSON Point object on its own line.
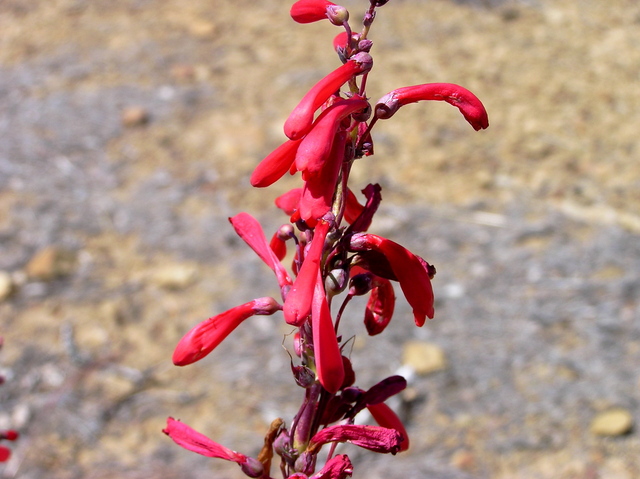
{"type": "Point", "coordinates": [353, 208]}
{"type": "Point", "coordinates": [373, 438]}
{"type": "Point", "coordinates": [205, 337]}
{"type": "Point", "coordinates": [469, 105]}
{"type": "Point", "coordinates": [297, 305]}
{"type": "Point", "coordinates": [315, 148]}
{"type": "Point", "coordinates": [319, 188]}
{"type": "Point", "coordinates": [338, 467]}
{"type": "Point", "coordinates": [192, 440]}
{"type": "Point", "coordinates": [251, 232]}
{"type": "Point", "coordinates": [275, 165]}
{"type": "Point", "coordinates": [5, 454]}
{"type": "Point", "coordinates": [301, 118]}
{"type": "Point", "coordinates": [379, 310]}
{"type": "Point", "coordinates": [290, 201]}
{"type": "Point", "coordinates": [385, 417]}
{"type": "Point", "coordinates": [409, 270]}
{"type": "Point", "coordinates": [309, 11]}
{"type": "Point", "coordinates": [329, 365]}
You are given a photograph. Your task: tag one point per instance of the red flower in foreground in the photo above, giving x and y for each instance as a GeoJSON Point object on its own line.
{"type": "Point", "coordinates": [373, 438]}
{"type": "Point", "coordinates": [299, 122]}
{"type": "Point", "coordinates": [469, 105]}
{"type": "Point", "coordinates": [206, 336]}
{"type": "Point", "coordinates": [275, 165]}
{"type": "Point", "coordinates": [411, 272]}
{"type": "Point", "coordinates": [192, 440]}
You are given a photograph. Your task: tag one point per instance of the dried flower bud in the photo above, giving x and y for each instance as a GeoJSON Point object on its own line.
{"type": "Point", "coordinates": [337, 15]}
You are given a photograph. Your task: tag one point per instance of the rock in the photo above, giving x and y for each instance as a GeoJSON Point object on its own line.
{"type": "Point", "coordinates": [134, 116]}
{"type": "Point", "coordinates": [613, 422]}
{"type": "Point", "coordinates": [50, 263]}
{"type": "Point", "coordinates": [6, 285]}
{"type": "Point", "coordinates": [174, 276]}
{"type": "Point", "coordinates": [423, 358]}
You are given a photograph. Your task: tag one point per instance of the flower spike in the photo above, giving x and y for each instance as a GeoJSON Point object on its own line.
{"type": "Point", "coordinates": [205, 337]}
{"type": "Point", "coordinates": [301, 118]}
{"type": "Point", "coordinates": [469, 105]}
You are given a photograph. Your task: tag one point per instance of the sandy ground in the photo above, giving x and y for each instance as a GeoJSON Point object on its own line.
{"type": "Point", "coordinates": [115, 241]}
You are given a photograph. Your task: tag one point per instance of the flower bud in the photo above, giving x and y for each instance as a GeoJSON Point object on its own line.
{"type": "Point", "coordinates": [337, 14]}
{"type": "Point", "coordinates": [336, 281]}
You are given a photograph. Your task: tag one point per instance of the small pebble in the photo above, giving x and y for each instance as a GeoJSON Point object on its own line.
{"type": "Point", "coordinates": [613, 422]}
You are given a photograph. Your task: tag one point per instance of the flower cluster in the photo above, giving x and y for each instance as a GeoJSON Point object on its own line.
{"type": "Point", "coordinates": [334, 256]}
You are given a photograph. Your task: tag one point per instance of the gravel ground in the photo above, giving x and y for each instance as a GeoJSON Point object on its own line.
{"type": "Point", "coordinates": [115, 237]}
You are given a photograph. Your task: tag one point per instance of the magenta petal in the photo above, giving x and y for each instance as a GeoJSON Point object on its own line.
{"type": "Point", "coordinates": [373, 438]}
{"type": "Point", "coordinates": [338, 467]}
{"type": "Point", "coordinates": [192, 440]}
{"type": "Point", "coordinates": [385, 417]}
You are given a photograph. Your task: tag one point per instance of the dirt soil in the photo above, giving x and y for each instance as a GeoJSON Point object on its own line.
{"type": "Point", "coordinates": [129, 129]}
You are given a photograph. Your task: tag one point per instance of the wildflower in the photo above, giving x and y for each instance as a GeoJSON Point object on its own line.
{"type": "Point", "coordinates": [469, 105]}
{"type": "Point", "coordinates": [205, 337]}
{"type": "Point", "coordinates": [380, 306]}
{"type": "Point", "coordinates": [309, 11]}
{"type": "Point", "coordinates": [410, 271]}
{"type": "Point", "coordinates": [297, 305]}
{"type": "Point", "coordinates": [301, 118]}
{"type": "Point", "coordinates": [275, 165]}
{"type": "Point", "coordinates": [338, 467]}
{"type": "Point", "coordinates": [289, 202]}
{"type": "Point", "coordinates": [329, 365]}
{"type": "Point", "coordinates": [373, 438]}
{"type": "Point", "coordinates": [192, 440]}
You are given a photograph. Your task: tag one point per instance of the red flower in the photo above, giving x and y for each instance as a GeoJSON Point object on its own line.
{"type": "Point", "coordinates": [251, 232]}
{"type": "Point", "coordinates": [411, 272]}
{"type": "Point", "coordinates": [309, 11]}
{"type": "Point", "coordinates": [316, 146]}
{"type": "Point", "coordinates": [299, 122]}
{"type": "Point", "coordinates": [192, 440]}
{"type": "Point", "coordinates": [289, 202]}
{"type": "Point", "coordinates": [297, 305]}
{"type": "Point", "coordinates": [385, 417]}
{"type": "Point", "coordinates": [468, 104]}
{"type": "Point", "coordinates": [205, 337]}
{"type": "Point", "coordinates": [373, 438]}
{"type": "Point", "coordinates": [329, 365]}
{"type": "Point", "coordinates": [275, 165]}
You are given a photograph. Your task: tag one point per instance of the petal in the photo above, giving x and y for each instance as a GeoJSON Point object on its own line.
{"type": "Point", "coordinates": [374, 197]}
{"type": "Point", "coordinates": [317, 195]}
{"type": "Point", "coordinates": [316, 147]}
{"type": "Point", "coordinates": [275, 165]}
{"type": "Point", "coordinates": [385, 417]}
{"type": "Point", "coordinates": [278, 246]}
{"type": "Point", "coordinates": [301, 118]}
{"type": "Point", "coordinates": [297, 305]}
{"type": "Point", "coordinates": [379, 309]}
{"type": "Point", "coordinates": [469, 105]}
{"type": "Point", "coordinates": [290, 201]}
{"type": "Point", "coordinates": [248, 228]}
{"type": "Point", "coordinates": [308, 11]}
{"type": "Point", "coordinates": [205, 337]}
{"type": "Point", "coordinates": [328, 358]}
{"type": "Point", "coordinates": [338, 467]}
{"type": "Point", "coordinates": [373, 438]}
{"type": "Point", "coordinates": [409, 270]}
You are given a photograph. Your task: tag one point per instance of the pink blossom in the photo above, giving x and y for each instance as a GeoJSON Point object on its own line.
{"type": "Point", "coordinates": [373, 438]}
{"type": "Point", "coordinates": [385, 417]}
{"type": "Point", "coordinates": [192, 440]}
{"type": "Point", "coordinates": [338, 467]}
{"type": "Point", "coordinates": [469, 105]}
{"type": "Point", "coordinates": [205, 337]}
{"type": "Point", "coordinates": [275, 165]}
{"type": "Point", "coordinates": [409, 270]}
{"type": "Point", "coordinates": [301, 118]}
{"type": "Point", "coordinates": [328, 359]}
{"type": "Point", "coordinates": [297, 305]}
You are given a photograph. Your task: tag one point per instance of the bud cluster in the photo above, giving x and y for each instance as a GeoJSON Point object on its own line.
{"type": "Point", "coordinates": [334, 256]}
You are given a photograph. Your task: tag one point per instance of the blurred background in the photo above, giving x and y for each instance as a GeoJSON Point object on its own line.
{"type": "Point", "coordinates": [129, 129]}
